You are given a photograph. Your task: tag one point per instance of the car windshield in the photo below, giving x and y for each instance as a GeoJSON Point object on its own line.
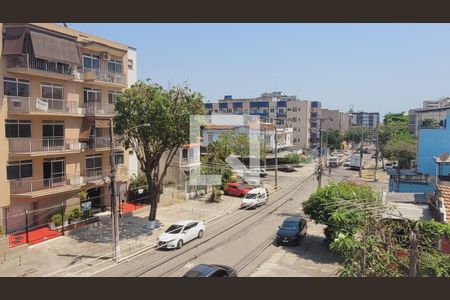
{"type": "Point", "coordinates": [174, 229]}
{"type": "Point", "coordinates": [290, 225]}
{"type": "Point", "coordinates": [250, 196]}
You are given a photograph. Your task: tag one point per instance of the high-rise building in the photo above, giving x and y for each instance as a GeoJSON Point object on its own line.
{"type": "Point", "coordinates": [276, 108]}
{"type": "Point", "coordinates": [443, 102]}
{"type": "Point", "coordinates": [58, 93]}
{"type": "Point", "coordinates": [366, 119]}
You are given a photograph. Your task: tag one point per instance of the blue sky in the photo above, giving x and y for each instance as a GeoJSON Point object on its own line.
{"type": "Point", "coordinates": [375, 67]}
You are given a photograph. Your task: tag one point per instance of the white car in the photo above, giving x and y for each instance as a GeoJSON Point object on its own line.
{"type": "Point", "coordinates": [255, 197]}
{"type": "Point", "coordinates": [180, 233]}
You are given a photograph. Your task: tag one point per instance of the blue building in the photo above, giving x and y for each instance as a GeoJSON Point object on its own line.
{"type": "Point", "coordinates": [432, 143]}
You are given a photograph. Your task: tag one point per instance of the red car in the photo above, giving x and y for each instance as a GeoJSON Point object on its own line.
{"type": "Point", "coordinates": [237, 189]}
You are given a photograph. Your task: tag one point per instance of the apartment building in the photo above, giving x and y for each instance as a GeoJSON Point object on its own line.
{"type": "Point", "coordinates": [366, 119]}
{"type": "Point", "coordinates": [339, 120]}
{"type": "Point", "coordinates": [276, 108]}
{"type": "Point", "coordinates": [58, 91]}
{"type": "Point", "coordinates": [443, 102]}
{"type": "Point", "coordinates": [426, 118]}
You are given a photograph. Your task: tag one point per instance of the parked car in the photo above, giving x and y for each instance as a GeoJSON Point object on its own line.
{"type": "Point", "coordinates": [333, 162]}
{"type": "Point", "coordinates": [256, 173]}
{"type": "Point", "coordinates": [291, 231]}
{"type": "Point", "coordinates": [255, 197]}
{"type": "Point", "coordinates": [180, 233]}
{"type": "Point", "coordinates": [355, 162]}
{"type": "Point", "coordinates": [203, 270]}
{"type": "Point", "coordinates": [346, 163]}
{"type": "Point", "coordinates": [286, 168]}
{"type": "Point", "coordinates": [237, 189]}
{"type": "Point", "coordinates": [390, 165]}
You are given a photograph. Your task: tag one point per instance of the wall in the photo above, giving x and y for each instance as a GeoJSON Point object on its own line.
{"type": "Point", "coordinates": [431, 143]}
{"type": "Point", "coordinates": [410, 187]}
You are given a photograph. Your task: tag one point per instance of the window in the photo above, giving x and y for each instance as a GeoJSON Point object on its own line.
{"type": "Point", "coordinates": [272, 110]}
{"type": "Point", "coordinates": [115, 66]}
{"type": "Point", "coordinates": [112, 96]}
{"type": "Point", "coordinates": [93, 165]}
{"type": "Point", "coordinates": [18, 128]}
{"type": "Point", "coordinates": [281, 110]}
{"type": "Point", "coordinates": [294, 119]}
{"type": "Point", "coordinates": [16, 87]}
{"type": "Point", "coordinates": [52, 91]}
{"type": "Point", "coordinates": [92, 95]}
{"type": "Point", "coordinates": [91, 62]}
{"type": "Point", "coordinates": [289, 109]}
{"type": "Point", "coordinates": [19, 169]}
{"type": "Point", "coordinates": [294, 109]}
{"type": "Point", "coordinates": [52, 129]}
{"type": "Point", "coordinates": [130, 64]}
{"type": "Point", "coordinates": [118, 158]}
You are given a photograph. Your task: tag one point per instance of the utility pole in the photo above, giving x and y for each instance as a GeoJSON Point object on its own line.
{"type": "Point", "coordinates": [361, 152]}
{"type": "Point", "coordinates": [114, 211]}
{"type": "Point", "coordinates": [376, 154]}
{"type": "Point", "coordinates": [413, 254]}
{"type": "Point", "coordinates": [276, 158]}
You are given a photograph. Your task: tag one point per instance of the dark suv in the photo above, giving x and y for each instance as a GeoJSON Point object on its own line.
{"type": "Point", "coordinates": [204, 270]}
{"type": "Point", "coordinates": [291, 231]}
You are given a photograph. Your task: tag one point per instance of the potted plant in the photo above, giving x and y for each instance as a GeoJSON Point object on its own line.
{"type": "Point", "coordinates": [88, 214]}
{"type": "Point", "coordinates": [83, 195]}
{"type": "Point", "coordinates": [55, 221]}
{"type": "Point", "coordinates": [75, 214]}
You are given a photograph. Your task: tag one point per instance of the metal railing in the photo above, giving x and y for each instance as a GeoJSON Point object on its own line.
{"type": "Point", "coordinates": [24, 145]}
{"type": "Point", "coordinates": [189, 161]}
{"type": "Point", "coordinates": [97, 75]}
{"type": "Point", "coordinates": [99, 142]}
{"type": "Point", "coordinates": [29, 62]}
{"type": "Point", "coordinates": [24, 186]}
{"type": "Point", "coordinates": [99, 108]}
{"type": "Point", "coordinates": [99, 174]}
{"type": "Point", "coordinates": [33, 104]}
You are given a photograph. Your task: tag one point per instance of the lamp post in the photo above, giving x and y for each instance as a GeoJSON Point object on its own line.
{"type": "Point", "coordinates": [112, 180]}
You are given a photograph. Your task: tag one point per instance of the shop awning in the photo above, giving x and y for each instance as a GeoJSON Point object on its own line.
{"type": "Point", "coordinates": [101, 123]}
{"type": "Point", "coordinates": [14, 40]}
{"type": "Point", "coordinates": [86, 128]}
{"type": "Point", "coordinates": [52, 48]}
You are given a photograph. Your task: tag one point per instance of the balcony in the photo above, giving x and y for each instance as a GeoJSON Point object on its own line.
{"type": "Point", "coordinates": [45, 187]}
{"type": "Point", "coordinates": [26, 64]}
{"type": "Point", "coordinates": [107, 78]}
{"type": "Point", "coordinates": [99, 108]}
{"type": "Point", "coordinates": [97, 176]}
{"type": "Point", "coordinates": [43, 146]}
{"type": "Point", "coordinates": [98, 142]}
{"type": "Point", "coordinates": [33, 105]}
{"type": "Point", "coordinates": [189, 162]}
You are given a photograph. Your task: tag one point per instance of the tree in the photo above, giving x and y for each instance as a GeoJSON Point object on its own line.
{"type": "Point", "coordinates": [292, 158]}
{"type": "Point", "coordinates": [354, 134]}
{"type": "Point", "coordinates": [333, 137]}
{"type": "Point", "coordinates": [397, 118]}
{"type": "Point", "coordinates": [168, 112]}
{"type": "Point", "coordinates": [401, 148]}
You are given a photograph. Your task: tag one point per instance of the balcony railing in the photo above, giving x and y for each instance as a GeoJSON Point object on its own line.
{"type": "Point", "coordinates": [189, 161]}
{"type": "Point", "coordinates": [23, 186]}
{"type": "Point", "coordinates": [97, 75]}
{"type": "Point", "coordinates": [29, 62]}
{"type": "Point", "coordinates": [99, 142]}
{"type": "Point", "coordinates": [33, 104]}
{"type": "Point", "coordinates": [22, 145]}
{"type": "Point", "coordinates": [95, 175]}
{"type": "Point", "coordinates": [99, 108]}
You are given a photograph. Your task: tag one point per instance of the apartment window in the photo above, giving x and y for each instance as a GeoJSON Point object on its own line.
{"type": "Point", "coordinates": [130, 64]}
{"type": "Point", "coordinates": [53, 129]}
{"type": "Point", "coordinates": [115, 66]}
{"type": "Point", "coordinates": [118, 158]}
{"type": "Point", "coordinates": [92, 95]}
{"type": "Point", "coordinates": [93, 165]}
{"type": "Point", "coordinates": [289, 109]}
{"type": "Point", "coordinates": [112, 96]}
{"type": "Point", "coordinates": [16, 87]}
{"type": "Point", "coordinates": [272, 110]}
{"type": "Point", "coordinates": [91, 62]}
{"type": "Point", "coordinates": [294, 109]}
{"type": "Point", "coordinates": [19, 169]}
{"type": "Point", "coordinates": [281, 110]}
{"type": "Point", "coordinates": [230, 110]}
{"type": "Point", "coordinates": [18, 128]}
{"type": "Point", "coordinates": [52, 91]}
{"type": "Point", "coordinates": [216, 110]}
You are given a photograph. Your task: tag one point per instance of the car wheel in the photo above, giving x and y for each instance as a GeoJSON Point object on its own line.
{"type": "Point", "coordinates": [242, 195]}
{"type": "Point", "coordinates": [200, 234]}
{"type": "Point", "coordinates": [180, 244]}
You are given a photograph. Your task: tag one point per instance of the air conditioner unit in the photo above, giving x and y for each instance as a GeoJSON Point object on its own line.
{"type": "Point", "coordinates": [106, 56]}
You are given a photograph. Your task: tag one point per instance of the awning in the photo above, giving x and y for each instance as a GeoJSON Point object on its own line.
{"type": "Point", "coordinates": [86, 127]}
{"type": "Point", "coordinates": [14, 40]}
{"type": "Point", "coordinates": [101, 123]}
{"type": "Point", "coordinates": [52, 48]}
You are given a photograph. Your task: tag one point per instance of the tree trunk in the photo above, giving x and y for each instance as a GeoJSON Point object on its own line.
{"type": "Point", "coordinates": [154, 193]}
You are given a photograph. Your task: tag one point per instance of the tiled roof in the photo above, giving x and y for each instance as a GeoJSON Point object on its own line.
{"type": "Point", "coordinates": [444, 191]}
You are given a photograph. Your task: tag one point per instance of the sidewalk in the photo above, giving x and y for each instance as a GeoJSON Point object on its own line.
{"type": "Point", "coordinates": [85, 246]}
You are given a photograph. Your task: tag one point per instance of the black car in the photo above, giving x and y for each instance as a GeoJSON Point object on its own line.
{"type": "Point", "coordinates": [204, 270]}
{"type": "Point", "coordinates": [291, 231]}
{"type": "Point", "coordinates": [286, 168]}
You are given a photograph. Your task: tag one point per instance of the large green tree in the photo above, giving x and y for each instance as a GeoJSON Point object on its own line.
{"type": "Point", "coordinates": [333, 137]}
{"type": "Point", "coordinates": [168, 112]}
{"type": "Point", "coordinates": [354, 133]}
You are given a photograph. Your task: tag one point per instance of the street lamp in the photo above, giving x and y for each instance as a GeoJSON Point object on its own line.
{"type": "Point", "coordinates": [112, 180]}
{"type": "Point", "coordinates": [321, 120]}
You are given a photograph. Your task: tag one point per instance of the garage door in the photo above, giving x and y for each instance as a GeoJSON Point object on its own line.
{"type": "Point", "coordinates": [15, 217]}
